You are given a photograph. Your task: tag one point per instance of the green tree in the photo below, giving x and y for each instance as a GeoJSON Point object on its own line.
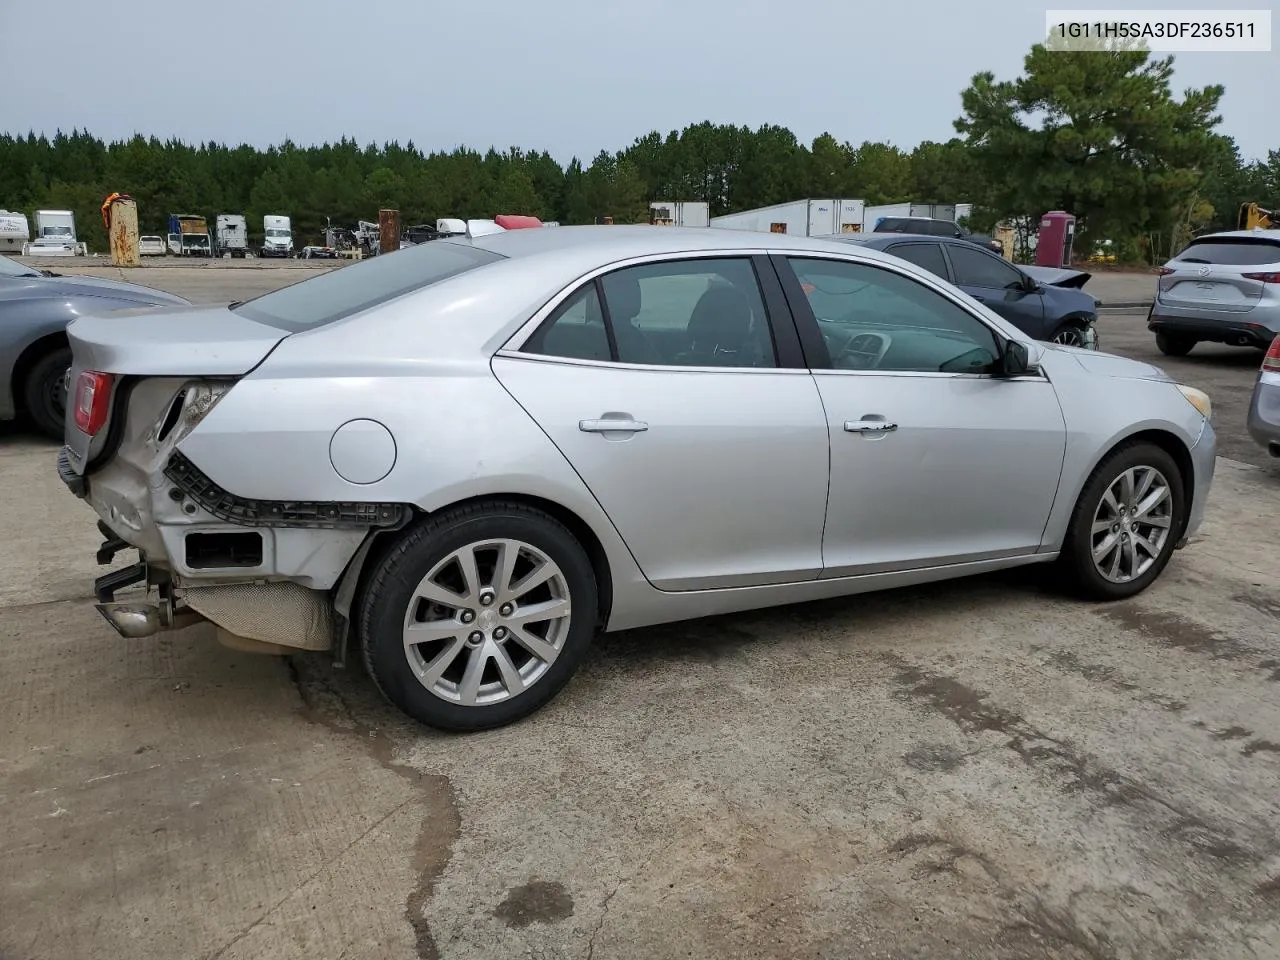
{"type": "Point", "coordinates": [1096, 133]}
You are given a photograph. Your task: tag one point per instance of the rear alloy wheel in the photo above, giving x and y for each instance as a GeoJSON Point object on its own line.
{"type": "Point", "coordinates": [1172, 346]}
{"type": "Point", "coordinates": [479, 616]}
{"type": "Point", "coordinates": [1126, 523]}
{"type": "Point", "coordinates": [45, 393]}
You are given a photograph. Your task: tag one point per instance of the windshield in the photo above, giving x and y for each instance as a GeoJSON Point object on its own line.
{"type": "Point", "coordinates": [276, 232]}
{"type": "Point", "coordinates": [55, 231]}
{"type": "Point", "coordinates": [12, 268]}
{"type": "Point", "coordinates": [366, 283]}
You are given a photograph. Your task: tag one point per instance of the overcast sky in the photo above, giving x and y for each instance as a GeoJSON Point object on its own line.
{"type": "Point", "coordinates": [567, 76]}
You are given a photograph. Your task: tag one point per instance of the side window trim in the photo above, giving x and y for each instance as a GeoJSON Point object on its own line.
{"type": "Point", "coordinates": [784, 329]}
{"type": "Point", "coordinates": [815, 347]}
{"type": "Point", "coordinates": [598, 283]}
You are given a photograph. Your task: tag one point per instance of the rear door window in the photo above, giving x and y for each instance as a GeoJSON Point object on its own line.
{"type": "Point", "coordinates": [345, 291]}
{"type": "Point", "coordinates": [1232, 252]}
{"type": "Point", "coordinates": [926, 255]}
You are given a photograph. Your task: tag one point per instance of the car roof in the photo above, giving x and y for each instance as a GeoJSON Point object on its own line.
{"type": "Point", "coordinates": [1233, 234]}
{"type": "Point", "coordinates": [603, 244]}
{"type": "Point", "coordinates": [884, 237]}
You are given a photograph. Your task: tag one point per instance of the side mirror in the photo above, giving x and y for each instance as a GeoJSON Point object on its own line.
{"type": "Point", "coordinates": [1030, 284]}
{"type": "Point", "coordinates": [1015, 361]}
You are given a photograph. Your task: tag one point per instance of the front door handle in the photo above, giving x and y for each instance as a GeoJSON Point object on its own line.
{"type": "Point", "coordinates": [612, 426]}
{"type": "Point", "coordinates": [869, 426]}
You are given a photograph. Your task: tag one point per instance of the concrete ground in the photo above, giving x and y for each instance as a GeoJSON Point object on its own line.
{"type": "Point", "coordinates": [976, 769]}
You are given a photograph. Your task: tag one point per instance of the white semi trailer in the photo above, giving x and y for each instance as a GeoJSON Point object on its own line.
{"type": "Point", "coordinates": [800, 218]}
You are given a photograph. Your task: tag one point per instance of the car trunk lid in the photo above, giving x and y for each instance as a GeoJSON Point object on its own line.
{"type": "Point", "coordinates": [166, 342]}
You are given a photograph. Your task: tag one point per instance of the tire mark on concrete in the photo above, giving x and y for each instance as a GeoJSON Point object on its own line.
{"type": "Point", "coordinates": [973, 711]}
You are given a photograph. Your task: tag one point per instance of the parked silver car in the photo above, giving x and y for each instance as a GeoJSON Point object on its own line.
{"type": "Point", "coordinates": [471, 456]}
{"type": "Point", "coordinates": [1222, 288]}
{"type": "Point", "coordinates": [1264, 405]}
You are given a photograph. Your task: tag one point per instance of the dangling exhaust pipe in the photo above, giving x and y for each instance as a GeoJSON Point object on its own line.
{"type": "Point", "coordinates": [138, 618]}
{"type": "Point", "coordinates": [131, 619]}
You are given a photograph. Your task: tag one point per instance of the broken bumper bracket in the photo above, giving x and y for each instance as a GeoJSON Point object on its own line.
{"type": "Point", "coordinates": [111, 545]}
{"type": "Point", "coordinates": [105, 586]}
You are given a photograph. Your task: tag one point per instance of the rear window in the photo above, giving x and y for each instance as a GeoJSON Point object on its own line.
{"type": "Point", "coordinates": [1240, 251]}
{"type": "Point", "coordinates": [341, 293]}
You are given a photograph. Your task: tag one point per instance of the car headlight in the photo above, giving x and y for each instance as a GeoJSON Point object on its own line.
{"type": "Point", "coordinates": [1198, 399]}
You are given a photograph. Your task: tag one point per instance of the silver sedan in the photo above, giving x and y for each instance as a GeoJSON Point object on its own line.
{"type": "Point", "coordinates": [468, 458]}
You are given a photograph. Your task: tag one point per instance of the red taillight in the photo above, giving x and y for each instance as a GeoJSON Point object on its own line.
{"type": "Point", "coordinates": [92, 400]}
{"type": "Point", "coordinates": [1164, 271]}
{"type": "Point", "coordinates": [1264, 277]}
{"type": "Point", "coordinates": [1271, 361]}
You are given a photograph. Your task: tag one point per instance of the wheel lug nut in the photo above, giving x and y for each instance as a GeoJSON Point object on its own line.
{"type": "Point", "coordinates": [475, 638]}
{"type": "Point", "coordinates": [499, 633]}
{"type": "Point", "coordinates": [486, 597]}
{"type": "Point", "coordinates": [468, 616]}
{"type": "Point", "coordinates": [506, 609]}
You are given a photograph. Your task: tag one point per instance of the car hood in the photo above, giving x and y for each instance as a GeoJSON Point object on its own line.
{"type": "Point", "coordinates": [1062, 301]}
{"type": "Point", "coordinates": [1056, 276]}
{"type": "Point", "coordinates": [1102, 364]}
{"type": "Point", "coordinates": [114, 289]}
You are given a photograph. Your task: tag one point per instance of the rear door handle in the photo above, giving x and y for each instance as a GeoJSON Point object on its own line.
{"type": "Point", "coordinates": [869, 426]}
{"type": "Point", "coordinates": [612, 426]}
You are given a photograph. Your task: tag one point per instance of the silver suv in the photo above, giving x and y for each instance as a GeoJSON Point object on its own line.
{"type": "Point", "coordinates": [1223, 288]}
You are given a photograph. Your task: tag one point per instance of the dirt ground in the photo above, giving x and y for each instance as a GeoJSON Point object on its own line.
{"type": "Point", "coordinates": [976, 769]}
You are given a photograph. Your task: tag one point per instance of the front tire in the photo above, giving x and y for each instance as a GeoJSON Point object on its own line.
{"type": "Point", "coordinates": [479, 616]}
{"type": "Point", "coordinates": [1172, 346]}
{"type": "Point", "coordinates": [45, 393]}
{"type": "Point", "coordinates": [1070, 335]}
{"type": "Point", "coordinates": [1126, 523]}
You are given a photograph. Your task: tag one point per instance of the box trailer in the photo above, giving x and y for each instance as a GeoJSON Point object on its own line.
{"type": "Point", "coordinates": [680, 213]}
{"type": "Point", "coordinates": [801, 218]}
{"type": "Point", "coordinates": [14, 232]}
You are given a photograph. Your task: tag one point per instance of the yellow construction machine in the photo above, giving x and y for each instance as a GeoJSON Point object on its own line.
{"type": "Point", "coordinates": [1253, 216]}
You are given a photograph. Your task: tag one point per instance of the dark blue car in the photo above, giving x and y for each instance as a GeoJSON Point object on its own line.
{"type": "Point", "coordinates": [1043, 303]}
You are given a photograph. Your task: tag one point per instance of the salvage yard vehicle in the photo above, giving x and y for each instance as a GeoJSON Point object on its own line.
{"type": "Point", "coordinates": [152, 247]}
{"type": "Point", "coordinates": [1043, 302]}
{"type": "Point", "coordinates": [469, 457]}
{"type": "Point", "coordinates": [1221, 288]}
{"type": "Point", "coordinates": [1264, 405]}
{"type": "Point", "coordinates": [35, 308]}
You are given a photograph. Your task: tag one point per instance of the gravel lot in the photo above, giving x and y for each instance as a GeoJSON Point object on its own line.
{"type": "Point", "coordinates": [977, 769]}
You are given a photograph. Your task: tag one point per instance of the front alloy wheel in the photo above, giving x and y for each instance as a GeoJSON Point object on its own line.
{"type": "Point", "coordinates": [478, 615]}
{"type": "Point", "coordinates": [1071, 335]}
{"type": "Point", "coordinates": [1131, 525]}
{"type": "Point", "coordinates": [1126, 522]}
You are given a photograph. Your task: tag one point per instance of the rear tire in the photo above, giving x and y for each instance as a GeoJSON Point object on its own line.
{"type": "Point", "coordinates": [1173, 346]}
{"type": "Point", "coordinates": [1109, 544]}
{"type": "Point", "coordinates": [45, 395]}
{"type": "Point", "coordinates": [485, 659]}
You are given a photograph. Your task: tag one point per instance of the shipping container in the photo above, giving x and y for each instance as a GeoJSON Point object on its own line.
{"type": "Point", "coordinates": [680, 213]}
{"type": "Point", "coordinates": [801, 218]}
